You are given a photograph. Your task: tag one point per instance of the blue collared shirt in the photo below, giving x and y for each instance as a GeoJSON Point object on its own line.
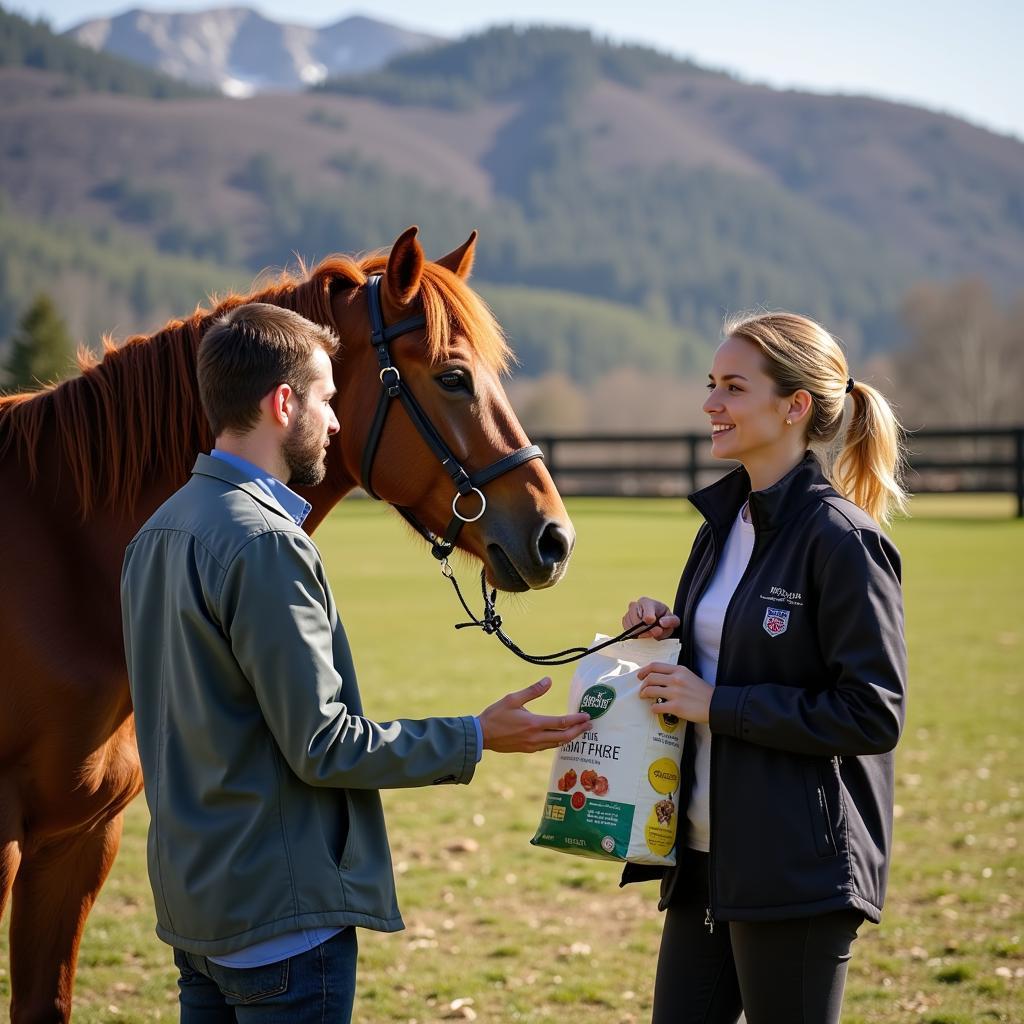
{"type": "Point", "coordinates": [295, 505]}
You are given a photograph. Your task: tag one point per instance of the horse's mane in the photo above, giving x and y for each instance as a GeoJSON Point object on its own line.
{"type": "Point", "coordinates": [135, 412]}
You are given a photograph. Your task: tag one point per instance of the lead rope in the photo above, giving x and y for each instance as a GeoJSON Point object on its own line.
{"type": "Point", "coordinates": [491, 623]}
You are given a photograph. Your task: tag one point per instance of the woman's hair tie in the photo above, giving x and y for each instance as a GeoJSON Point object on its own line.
{"type": "Point", "coordinates": [849, 385]}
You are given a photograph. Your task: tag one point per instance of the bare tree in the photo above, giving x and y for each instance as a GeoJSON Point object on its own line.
{"type": "Point", "coordinates": [964, 364]}
{"type": "Point", "coordinates": [549, 404]}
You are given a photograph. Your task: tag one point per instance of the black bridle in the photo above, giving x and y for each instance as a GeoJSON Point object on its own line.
{"type": "Point", "coordinates": [441, 546]}
{"type": "Point", "coordinates": [392, 387]}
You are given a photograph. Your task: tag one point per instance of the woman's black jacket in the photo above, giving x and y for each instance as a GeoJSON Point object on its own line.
{"type": "Point", "coordinates": [808, 704]}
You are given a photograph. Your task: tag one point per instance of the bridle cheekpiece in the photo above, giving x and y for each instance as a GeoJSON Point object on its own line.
{"type": "Point", "coordinates": [392, 387]}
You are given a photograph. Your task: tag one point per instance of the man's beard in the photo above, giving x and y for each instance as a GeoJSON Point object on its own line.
{"type": "Point", "coordinates": [304, 453]}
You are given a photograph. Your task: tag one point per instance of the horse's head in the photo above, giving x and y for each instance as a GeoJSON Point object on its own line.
{"type": "Point", "coordinates": [449, 359]}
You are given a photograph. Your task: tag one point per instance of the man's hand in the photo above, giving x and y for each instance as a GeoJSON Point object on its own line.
{"type": "Point", "coordinates": [656, 613]}
{"type": "Point", "coordinates": [675, 690]}
{"type": "Point", "coordinates": [509, 728]}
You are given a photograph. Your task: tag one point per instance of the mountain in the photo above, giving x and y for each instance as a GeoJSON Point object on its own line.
{"type": "Point", "coordinates": [918, 184]}
{"type": "Point", "coordinates": [597, 174]}
{"type": "Point", "coordinates": [240, 52]}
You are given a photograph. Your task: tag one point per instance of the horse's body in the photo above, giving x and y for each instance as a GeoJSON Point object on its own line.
{"type": "Point", "coordinates": [84, 464]}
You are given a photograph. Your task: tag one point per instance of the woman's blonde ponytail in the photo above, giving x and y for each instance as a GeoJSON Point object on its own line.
{"type": "Point", "coordinates": [870, 462]}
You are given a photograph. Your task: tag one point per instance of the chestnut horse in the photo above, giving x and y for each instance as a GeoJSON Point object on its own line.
{"type": "Point", "coordinates": [84, 463]}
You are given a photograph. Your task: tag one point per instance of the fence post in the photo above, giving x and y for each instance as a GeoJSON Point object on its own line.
{"type": "Point", "coordinates": [548, 444]}
{"type": "Point", "coordinates": [692, 441]}
{"type": "Point", "coordinates": [1019, 447]}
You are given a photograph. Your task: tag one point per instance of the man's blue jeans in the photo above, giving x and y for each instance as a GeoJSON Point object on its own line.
{"type": "Point", "coordinates": [315, 987]}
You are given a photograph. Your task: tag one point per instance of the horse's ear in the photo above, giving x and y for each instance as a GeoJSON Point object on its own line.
{"type": "Point", "coordinates": [405, 268]}
{"type": "Point", "coordinates": [460, 261]}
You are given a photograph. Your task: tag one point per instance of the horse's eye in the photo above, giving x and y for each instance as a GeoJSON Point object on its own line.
{"type": "Point", "coordinates": [453, 380]}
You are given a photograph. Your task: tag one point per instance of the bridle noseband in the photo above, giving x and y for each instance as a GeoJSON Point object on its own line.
{"type": "Point", "coordinates": [392, 386]}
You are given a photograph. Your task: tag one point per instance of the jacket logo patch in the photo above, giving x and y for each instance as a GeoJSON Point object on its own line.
{"type": "Point", "coordinates": [776, 621]}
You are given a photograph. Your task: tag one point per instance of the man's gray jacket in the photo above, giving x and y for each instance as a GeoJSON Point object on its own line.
{"type": "Point", "coordinates": [261, 773]}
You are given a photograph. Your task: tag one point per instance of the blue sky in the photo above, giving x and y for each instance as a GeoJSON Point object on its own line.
{"type": "Point", "coordinates": [947, 55]}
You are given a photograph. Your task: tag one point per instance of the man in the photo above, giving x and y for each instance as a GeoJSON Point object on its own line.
{"type": "Point", "coordinates": [267, 842]}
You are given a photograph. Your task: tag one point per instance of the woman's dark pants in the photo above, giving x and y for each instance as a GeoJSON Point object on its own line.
{"type": "Point", "coordinates": [775, 972]}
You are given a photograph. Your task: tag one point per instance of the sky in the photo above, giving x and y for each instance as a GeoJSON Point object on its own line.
{"type": "Point", "coordinates": [949, 55]}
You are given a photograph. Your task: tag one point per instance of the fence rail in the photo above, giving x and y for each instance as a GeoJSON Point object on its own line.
{"type": "Point", "coordinates": [965, 461]}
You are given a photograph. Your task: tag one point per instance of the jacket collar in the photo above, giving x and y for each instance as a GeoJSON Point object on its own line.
{"type": "Point", "coordinates": [207, 465]}
{"type": "Point", "coordinates": [720, 502]}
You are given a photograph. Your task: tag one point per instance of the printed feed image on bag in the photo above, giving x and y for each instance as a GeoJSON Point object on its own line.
{"type": "Point", "coordinates": [614, 791]}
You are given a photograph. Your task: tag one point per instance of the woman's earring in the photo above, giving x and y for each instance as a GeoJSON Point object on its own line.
{"type": "Point", "coordinates": [789, 422]}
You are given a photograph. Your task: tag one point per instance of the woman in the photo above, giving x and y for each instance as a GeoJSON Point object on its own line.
{"type": "Point", "coordinates": [792, 679]}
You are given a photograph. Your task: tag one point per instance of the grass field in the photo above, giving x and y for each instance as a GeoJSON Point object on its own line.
{"type": "Point", "coordinates": [500, 931]}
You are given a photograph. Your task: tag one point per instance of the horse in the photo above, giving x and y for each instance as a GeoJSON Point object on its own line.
{"type": "Point", "coordinates": [85, 462]}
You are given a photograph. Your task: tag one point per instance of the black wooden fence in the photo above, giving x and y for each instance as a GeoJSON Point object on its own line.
{"type": "Point", "coordinates": [964, 461]}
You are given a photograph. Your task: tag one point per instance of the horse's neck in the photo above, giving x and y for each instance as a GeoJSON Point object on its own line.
{"type": "Point", "coordinates": [109, 531]}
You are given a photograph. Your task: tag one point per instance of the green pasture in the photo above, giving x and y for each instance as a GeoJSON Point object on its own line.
{"type": "Point", "coordinates": [500, 931]}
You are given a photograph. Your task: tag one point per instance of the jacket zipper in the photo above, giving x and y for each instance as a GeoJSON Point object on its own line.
{"type": "Point", "coordinates": [700, 587]}
{"type": "Point", "coordinates": [709, 916]}
{"type": "Point", "coordinates": [826, 818]}
{"type": "Point", "coordinates": [831, 839]}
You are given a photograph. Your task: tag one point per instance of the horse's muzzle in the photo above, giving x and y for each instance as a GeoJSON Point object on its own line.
{"type": "Point", "coordinates": [538, 563]}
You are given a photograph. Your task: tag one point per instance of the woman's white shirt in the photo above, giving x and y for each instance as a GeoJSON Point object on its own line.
{"type": "Point", "coordinates": [707, 638]}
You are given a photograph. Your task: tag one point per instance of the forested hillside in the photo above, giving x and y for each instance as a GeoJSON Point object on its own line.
{"type": "Point", "coordinates": [102, 280]}
{"type": "Point", "coordinates": [503, 62]}
{"type": "Point", "coordinates": [107, 281]}
{"type": "Point", "coordinates": [34, 45]}
{"type": "Point", "coordinates": [626, 200]}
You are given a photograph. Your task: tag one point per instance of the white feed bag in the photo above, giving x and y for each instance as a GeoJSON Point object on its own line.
{"type": "Point", "coordinates": [614, 790]}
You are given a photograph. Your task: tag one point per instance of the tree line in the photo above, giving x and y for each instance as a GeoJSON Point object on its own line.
{"type": "Point", "coordinates": [963, 365]}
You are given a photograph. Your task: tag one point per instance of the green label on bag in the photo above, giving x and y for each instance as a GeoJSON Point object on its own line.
{"type": "Point", "coordinates": [597, 700]}
{"type": "Point", "coordinates": [579, 823]}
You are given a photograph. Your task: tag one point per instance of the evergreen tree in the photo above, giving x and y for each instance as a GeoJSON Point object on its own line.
{"type": "Point", "coordinates": [41, 349]}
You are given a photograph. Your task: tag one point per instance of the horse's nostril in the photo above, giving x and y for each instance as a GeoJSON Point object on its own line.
{"type": "Point", "coordinates": [554, 543]}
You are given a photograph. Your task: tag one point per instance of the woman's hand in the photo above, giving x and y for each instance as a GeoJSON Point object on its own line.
{"type": "Point", "coordinates": [679, 691]}
{"type": "Point", "coordinates": [656, 613]}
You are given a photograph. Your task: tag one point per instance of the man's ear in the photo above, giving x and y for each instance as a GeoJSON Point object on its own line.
{"type": "Point", "coordinates": [279, 404]}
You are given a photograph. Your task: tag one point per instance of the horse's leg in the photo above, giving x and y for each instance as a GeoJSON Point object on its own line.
{"type": "Point", "coordinates": [56, 887]}
{"type": "Point", "coordinates": [12, 835]}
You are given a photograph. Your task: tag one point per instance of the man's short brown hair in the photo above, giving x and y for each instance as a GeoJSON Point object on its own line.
{"type": "Point", "coordinates": [248, 352]}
